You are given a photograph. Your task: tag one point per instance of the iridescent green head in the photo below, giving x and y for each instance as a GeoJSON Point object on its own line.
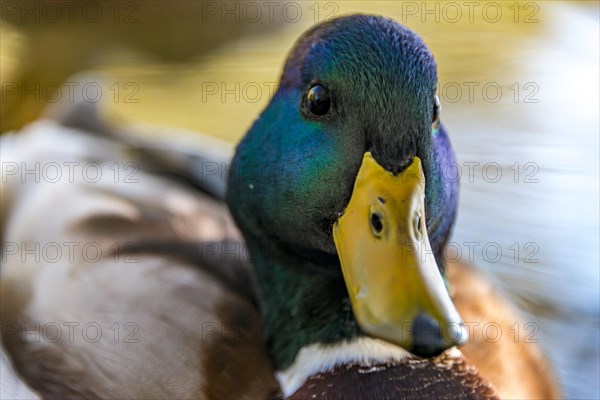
{"type": "Point", "coordinates": [351, 86]}
{"type": "Point", "coordinates": [294, 170]}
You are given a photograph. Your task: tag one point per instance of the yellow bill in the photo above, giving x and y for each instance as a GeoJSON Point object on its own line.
{"type": "Point", "coordinates": [396, 289]}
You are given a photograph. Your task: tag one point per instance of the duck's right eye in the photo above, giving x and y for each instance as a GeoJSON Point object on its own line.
{"type": "Point", "coordinates": [318, 101]}
{"type": "Point", "coordinates": [437, 109]}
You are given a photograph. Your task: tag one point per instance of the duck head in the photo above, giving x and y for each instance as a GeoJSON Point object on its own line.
{"type": "Point", "coordinates": [339, 189]}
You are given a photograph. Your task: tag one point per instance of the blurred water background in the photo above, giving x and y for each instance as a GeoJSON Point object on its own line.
{"type": "Point", "coordinates": [519, 86]}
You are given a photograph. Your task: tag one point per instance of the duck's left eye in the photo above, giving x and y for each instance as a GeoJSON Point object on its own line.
{"type": "Point", "coordinates": [318, 101]}
{"type": "Point", "coordinates": [437, 108]}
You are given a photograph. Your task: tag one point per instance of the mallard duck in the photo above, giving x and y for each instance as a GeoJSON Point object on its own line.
{"type": "Point", "coordinates": [339, 178]}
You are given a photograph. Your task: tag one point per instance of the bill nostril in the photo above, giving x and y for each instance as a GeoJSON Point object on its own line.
{"type": "Point", "coordinates": [417, 225]}
{"type": "Point", "coordinates": [376, 223]}
{"type": "Point", "coordinates": [427, 337]}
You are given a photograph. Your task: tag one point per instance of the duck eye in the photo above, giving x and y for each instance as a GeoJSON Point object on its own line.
{"type": "Point", "coordinates": [437, 108]}
{"type": "Point", "coordinates": [318, 101]}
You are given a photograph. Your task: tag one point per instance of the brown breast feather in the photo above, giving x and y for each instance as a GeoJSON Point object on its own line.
{"type": "Point", "coordinates": [438, 378]}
